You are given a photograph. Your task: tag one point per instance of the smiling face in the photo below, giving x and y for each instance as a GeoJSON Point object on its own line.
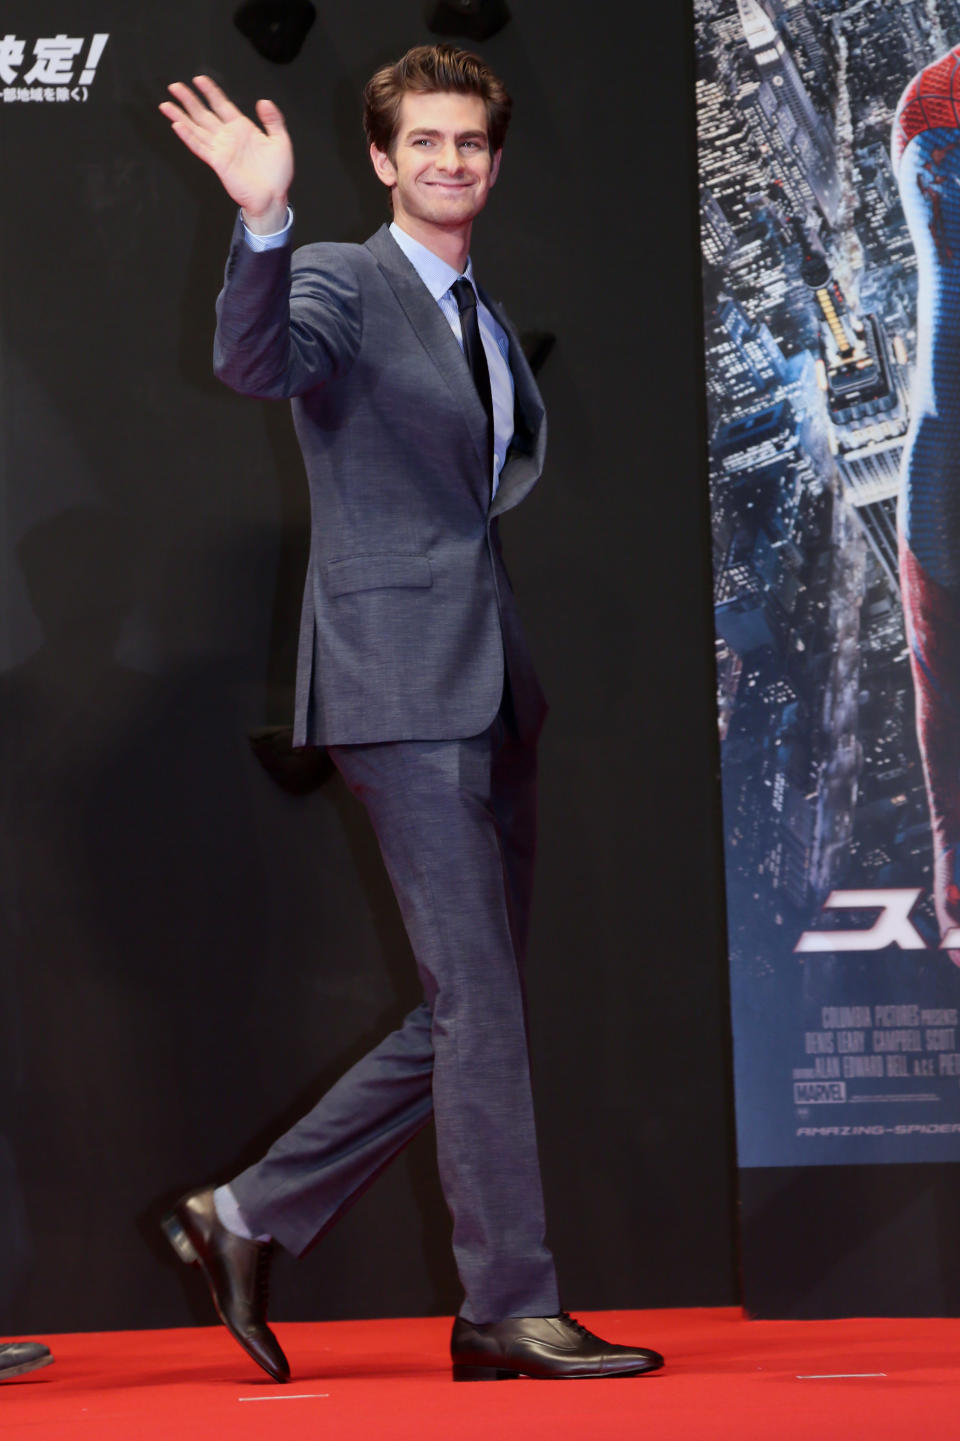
{"type": "Point", "coordinates": [440, 168]}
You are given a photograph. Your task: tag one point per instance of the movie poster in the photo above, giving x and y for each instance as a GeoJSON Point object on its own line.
{"type": "Point", "coordinates": [829, 161]}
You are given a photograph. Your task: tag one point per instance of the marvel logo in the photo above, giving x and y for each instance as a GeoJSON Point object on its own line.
{"type": "Point", "coordinates": [816, 1093]}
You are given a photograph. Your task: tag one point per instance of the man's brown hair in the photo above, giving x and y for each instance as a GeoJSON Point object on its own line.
{"type": "Point", "coordinates": [427, 70]}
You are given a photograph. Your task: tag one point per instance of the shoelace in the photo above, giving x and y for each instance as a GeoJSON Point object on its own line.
{"type": "Point", "coordinates": [571, 1321]}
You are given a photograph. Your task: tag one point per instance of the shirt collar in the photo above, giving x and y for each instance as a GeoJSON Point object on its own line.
{"type": "Point", "coordinates": [435, 273]}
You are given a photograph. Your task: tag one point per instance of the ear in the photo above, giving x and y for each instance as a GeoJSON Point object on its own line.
{"type": "Point", "coordinates": [384, 166]}
{"type": "Point", "coordinates": [495, 166]}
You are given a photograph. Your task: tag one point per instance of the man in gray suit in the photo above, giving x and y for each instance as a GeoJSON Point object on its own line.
{"type": "Point", "coordinates": [420, 424]}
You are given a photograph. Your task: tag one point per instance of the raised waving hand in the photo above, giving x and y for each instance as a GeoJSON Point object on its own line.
{"type": "Point", "coordinates": [254, 166]}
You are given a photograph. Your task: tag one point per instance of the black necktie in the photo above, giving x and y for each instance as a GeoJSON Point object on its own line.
{"type": "Point", "coordinates": [466, 298]}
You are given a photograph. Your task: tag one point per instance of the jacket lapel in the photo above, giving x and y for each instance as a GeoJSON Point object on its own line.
{"type": "Point", "coordinates": [434, 333]}
{"type": "Point", "coordinates": [524, 464]}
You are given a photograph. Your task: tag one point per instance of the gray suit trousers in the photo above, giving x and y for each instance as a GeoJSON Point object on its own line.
{"type": "Point", "coordinates": [455, 821]}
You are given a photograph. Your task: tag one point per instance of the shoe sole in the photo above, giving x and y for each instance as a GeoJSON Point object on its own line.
{"type": "Point", "coordinates": [483, 1373]}
{"type": "Point", "coordinates": [8, 1372]}
{"type": "Point", "coordinates": [463, 1372]}
{"type": "Point", "coordinates": [173, 1228]}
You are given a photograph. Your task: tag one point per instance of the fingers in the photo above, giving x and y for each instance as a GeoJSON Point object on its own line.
{"type": "Point", "coordinates": [191, 106]}
{"type": "Point", "coordinates": [210, 116]}
{"type": "Point", "coordinates": [193, 132]}
{"type": "Point", "coordinates": [215, 109]}
{"type": "Point", "coordinates": [222, 107]}
{"type": "Point", "coordinates": [270, 117]}
{"type": "Point", "coordinates": [194, 139]}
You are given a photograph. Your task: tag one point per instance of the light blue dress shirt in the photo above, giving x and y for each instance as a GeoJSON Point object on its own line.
{"type": "Point", "coordinates": [438, 277]}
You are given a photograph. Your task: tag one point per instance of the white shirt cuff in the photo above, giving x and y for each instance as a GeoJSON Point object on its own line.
{"type": "Point", "coordinates": [269, 242]}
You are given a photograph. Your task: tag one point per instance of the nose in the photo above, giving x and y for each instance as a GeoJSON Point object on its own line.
{"type": "Point", "coordinates": [448, 157]}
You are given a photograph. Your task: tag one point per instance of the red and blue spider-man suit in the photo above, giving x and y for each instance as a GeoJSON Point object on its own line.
{"type": "Point", "coordinates": [926, 158]}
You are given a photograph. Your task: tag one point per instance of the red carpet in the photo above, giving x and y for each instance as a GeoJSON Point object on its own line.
{"type": "Point", "coordinates": [725, 1378]}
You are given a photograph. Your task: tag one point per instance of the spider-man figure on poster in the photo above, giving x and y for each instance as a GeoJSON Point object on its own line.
{"type": "Point", "coordinates": [926, 159]}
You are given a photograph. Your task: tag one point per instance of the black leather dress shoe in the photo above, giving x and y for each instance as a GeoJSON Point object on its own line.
{"type": "Point", "coordinates": [237, 1273]}
{"type": "Point", "coordinates": [18, 1357]}
{"type": "Point", "coordinates": [545, 1347]}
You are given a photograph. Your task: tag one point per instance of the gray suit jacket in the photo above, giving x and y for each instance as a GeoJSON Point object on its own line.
{"type": "Point", "coordinates": [408, 615]}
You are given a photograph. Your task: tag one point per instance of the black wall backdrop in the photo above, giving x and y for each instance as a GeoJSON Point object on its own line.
{"type": "Point", "coordinates": [189, 954]}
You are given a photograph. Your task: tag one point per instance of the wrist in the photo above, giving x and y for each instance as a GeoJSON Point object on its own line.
{"type": "Point", "coordinates": [267, 222]}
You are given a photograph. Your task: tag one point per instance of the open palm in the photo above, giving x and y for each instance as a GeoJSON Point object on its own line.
{"type": "Point", "coordinates": [254, 166]}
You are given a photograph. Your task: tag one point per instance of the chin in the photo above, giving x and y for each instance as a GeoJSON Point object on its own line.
{"type": "Point", "coordinates": [450, 215]}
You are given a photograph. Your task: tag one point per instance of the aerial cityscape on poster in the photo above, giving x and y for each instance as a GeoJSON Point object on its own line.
{"type": "Point", "coordinates": [846, 1054]}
